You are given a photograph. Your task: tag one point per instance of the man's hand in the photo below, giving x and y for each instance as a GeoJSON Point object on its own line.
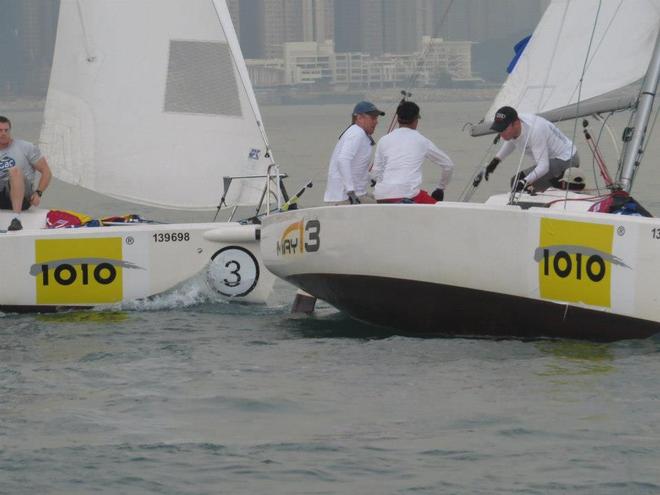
{"type": "Point", "coordinates": [438, 194]}
{"type": "Point", "coordinates": [522, 185]}
{"type": "Point", "coordinates": [352, 197]}
{"type": "Point", "coordinates": [35, 199]}
{"type": "Point", "coordinates": [491, 167]}
{"type": "Point", "coordinates": [477, 179]}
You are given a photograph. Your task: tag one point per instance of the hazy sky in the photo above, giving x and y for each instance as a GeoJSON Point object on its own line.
{"type": "Point", "coordinates": [27, 30]}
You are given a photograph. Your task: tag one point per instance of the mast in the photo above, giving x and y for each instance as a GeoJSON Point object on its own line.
{"type": "Point", "coordinates": [635, 147]}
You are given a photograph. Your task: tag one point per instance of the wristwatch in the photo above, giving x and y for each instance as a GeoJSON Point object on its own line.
{"type": "Point", "coordinates": [39, 193]}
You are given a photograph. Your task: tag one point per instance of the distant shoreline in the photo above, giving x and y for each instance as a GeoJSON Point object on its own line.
{"type": "Point", "coordinates": [438, 95]}
{"type": "Point", "coordinates": [319, 98]}
{"type": "Point", "coordinates": [21, 104]}
{"type": "Point", "coordinates": [425, 95]}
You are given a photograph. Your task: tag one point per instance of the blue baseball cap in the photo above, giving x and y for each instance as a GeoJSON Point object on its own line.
{"type": "Point", "coordinates": [367, 107]}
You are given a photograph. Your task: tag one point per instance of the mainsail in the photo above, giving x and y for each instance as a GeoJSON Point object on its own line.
{"type": "Point", "coordinates": [150, 101]}
{"type": "Point", "coordinates": [584, 57]}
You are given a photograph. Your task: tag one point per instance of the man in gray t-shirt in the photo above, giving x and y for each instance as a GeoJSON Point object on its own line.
{"type": "Point", "coordinates": [19, 160]}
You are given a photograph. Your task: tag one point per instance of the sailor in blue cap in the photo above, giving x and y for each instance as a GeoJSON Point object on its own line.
{"type": "Point", "coordinates": [348, 173]}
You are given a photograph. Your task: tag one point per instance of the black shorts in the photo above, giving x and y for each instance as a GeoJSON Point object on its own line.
{"type": "Point", "coordinates": [5, 200]}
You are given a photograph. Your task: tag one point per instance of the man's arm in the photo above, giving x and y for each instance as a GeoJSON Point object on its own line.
{"type": "Point", "coordinates": [345, 159]}
{"type": "Point", "coordinates": [540, 153]}
{"type": "Point", "coordinates": [506, 149]}
{"type": "Point", "coordinates": [44, 180]}
{"type": "Point", "coordinates": [379, 164]}
{"type": "Point", "coordinates": [439, 157]}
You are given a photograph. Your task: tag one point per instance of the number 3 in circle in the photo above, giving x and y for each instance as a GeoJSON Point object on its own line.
{"type": "Point", "coordinates": [233, 271]}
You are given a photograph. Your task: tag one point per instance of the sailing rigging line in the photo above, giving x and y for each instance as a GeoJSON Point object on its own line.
{"type": "Point", "coordinates": [597, 158]}
{"type": "Point", "coordinates": [429, 47]}
{"type": "Point", "coordinates": [597, 143]}
{"type": "Point", "coordinates": [581, 82]}
{"type": "Point", "coordinates": [600, 42]}
{"type": "Point", "coordinates": [88, 50]}
{"type": "Point", "coordinates": [650, 130]}
{"type": "Point", "coordinates": [478, 174]}
{"type": "Point", "coordinates": [406, 92]}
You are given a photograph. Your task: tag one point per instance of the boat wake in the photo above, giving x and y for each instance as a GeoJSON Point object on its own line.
{"type": "Point", "coordinates": [193, 292]}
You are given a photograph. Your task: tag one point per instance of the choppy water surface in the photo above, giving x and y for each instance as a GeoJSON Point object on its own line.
{"type": "Point", "coordinates": [183, 396]}
{"type": "Point", "coordinates": [189, 395]}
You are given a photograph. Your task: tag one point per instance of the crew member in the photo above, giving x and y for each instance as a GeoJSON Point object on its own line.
{"type": "Point", "coordinates": [348, 173]}
{"type": "Point", "coordinates": [19, 160]}
{"type": "Point", "coordinates": [399, 159]}
{"type": "Point", "coordinates": [539, 139]}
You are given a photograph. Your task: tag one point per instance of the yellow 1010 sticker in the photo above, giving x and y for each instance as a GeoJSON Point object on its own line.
{"type": "Point", "coordinates": [575, 262]}
{"type": "Point", "coordinates": [78, 271]}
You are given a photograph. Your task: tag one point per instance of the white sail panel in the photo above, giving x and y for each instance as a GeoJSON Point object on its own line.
{"type": "Point", "coordinates": [149, 101]}
{"type": "Point", "coordinates": [547, 75]}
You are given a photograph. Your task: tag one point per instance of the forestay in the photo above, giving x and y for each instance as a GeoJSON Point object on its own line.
{"type": "Point", "coordinates": [546, 79]}
{"type": "Point", "coordinates": [150, 101]}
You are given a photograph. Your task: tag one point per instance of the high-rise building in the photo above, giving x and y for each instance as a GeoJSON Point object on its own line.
{"type": "Point", "coordinates": [481, 20]}
{"type": "Point", "coordinates": [282, 23]}
{"type": "Point", "coordinates": [318, 18]}
{"type": "Point", "coordinates": [251, 34]}
{"type": "Point", "coordinates": [27, 35]}
{"type": "Point", "coordinates": [347, 26]}
{"type": "Point", "coordinates": [403, 25]}
{"type": "Point", "coordinates": [235, 12]}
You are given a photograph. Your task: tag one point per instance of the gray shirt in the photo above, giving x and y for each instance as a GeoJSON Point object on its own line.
{"type": "Point", "coordinates": [20, 154]}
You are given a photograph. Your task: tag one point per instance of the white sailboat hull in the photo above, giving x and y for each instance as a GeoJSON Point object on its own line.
{"type": "Point", "coordinates": [475, 269]}
{"type": "Point", "coordinates": [52, 269]}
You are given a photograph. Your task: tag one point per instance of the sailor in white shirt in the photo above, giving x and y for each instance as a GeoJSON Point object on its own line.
{"type": "Point", "coordinates": [399, 159]}
{"type": "Point", "coordinates": [348, 174]}
{"type": "Point", "coordinates": [539, 139]}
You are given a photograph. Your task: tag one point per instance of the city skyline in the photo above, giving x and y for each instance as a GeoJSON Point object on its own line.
{"type": "Point", "coordinates": [376, 27]}
{"type": "Point", "coordinates": [371, 27]}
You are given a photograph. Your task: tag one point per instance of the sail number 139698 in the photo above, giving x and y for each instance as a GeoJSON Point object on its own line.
{"type": "Point", "coordinates": [171, 237]}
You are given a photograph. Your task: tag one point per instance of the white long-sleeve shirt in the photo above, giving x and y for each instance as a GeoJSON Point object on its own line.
{"type": "Point", "coordinates": [349, 166]}
{"type": "Point", "coordinates": [542, 141]}
{"type": "Point", "coordinates": [398, 164]}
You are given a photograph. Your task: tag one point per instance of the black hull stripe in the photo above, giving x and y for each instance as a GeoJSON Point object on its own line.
{"type": "Point", "coordinates": [427, 309]}
{"type": "Point", "coordinates": [40, 309]}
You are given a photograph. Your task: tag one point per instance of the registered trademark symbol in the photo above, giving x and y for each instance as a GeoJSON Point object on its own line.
{"type": "Point", "coordinates": [130, 240]}
{"type": "Point", "coordinates": [621, 230]}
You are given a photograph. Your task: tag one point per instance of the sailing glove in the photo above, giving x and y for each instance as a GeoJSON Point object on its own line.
{"type": "Point", "coordinates": [352, 197]}
{"type": "Point", "coordinates": [491, 167]}
{"type": "Point", "coordinates": [522, 185]}
{"type": "Point", "coordinates": [438, 194]}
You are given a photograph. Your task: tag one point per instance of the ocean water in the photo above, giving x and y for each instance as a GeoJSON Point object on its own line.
{"type": "Point", "coordinates": [188, 394]}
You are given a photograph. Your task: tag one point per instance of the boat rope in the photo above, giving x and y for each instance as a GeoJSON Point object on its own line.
{"type": "Point", "coordinates": [650, 131]}
{"type": "Point", "coordinates": [406, 93]}
{"type": "Point", "coordinates": [478, 174]}
{"type": "Point", "coordinates": [419, 64]}
{"type": "Point", "coordinates": [427, 50]}
{"type": "Point", "coordinates": [597, 156]}
{"type": "Point", "coordinates": [606, 127]}
{"type": "Point", "coordinates": [87, 43]}
{"type": "Point", "coordinates": [579, 96]}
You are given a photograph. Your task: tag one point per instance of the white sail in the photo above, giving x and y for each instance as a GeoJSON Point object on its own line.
{"type": "Point", "coordinates": [605, 43]}
{"type": "Point", "coordinates": [149, 101]}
